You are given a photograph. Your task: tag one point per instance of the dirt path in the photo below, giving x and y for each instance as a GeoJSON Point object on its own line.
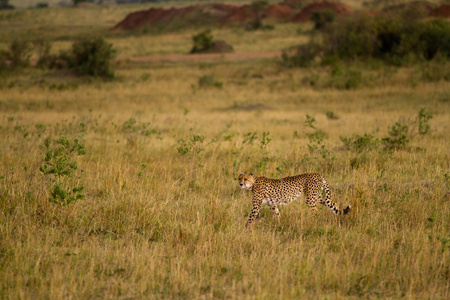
{"type": "Point", "coordinates": [205, 56]}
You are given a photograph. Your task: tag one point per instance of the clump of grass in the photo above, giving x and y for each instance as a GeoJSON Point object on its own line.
{"type": "Point", "coordinates": [208, 81]}
{"type": "Point", "coordinates": [331, 115]}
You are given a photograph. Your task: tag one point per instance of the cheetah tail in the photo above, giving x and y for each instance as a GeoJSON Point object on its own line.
{"type": "Point", "coordinates": [346, 210]}
{"type": "Point", "coordinates": [333, 206]}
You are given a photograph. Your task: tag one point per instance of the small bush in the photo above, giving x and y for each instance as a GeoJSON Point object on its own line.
{"type": "Point", "coordinates": [92, 56]}
{"type": "Point", "coordinates": [256, 8]}
{"type": "Point", "coordinates": [302, 56]}
{"type": "Point", "coordinates": [257, 24]}
{"type": "Point", "coordinates": [18, 55]}
{"type": "Point", "coordinates": [316, 139]}
{"type": "Point", "coordinates": [202, 41]}
{"type": "Point", "coordinates": [360, 143]}
{"type": "Point", "coordinates": [322, 18]}
{"type": "Point", "coordinates": [4, 4]}
{"type": "Point", "coordinates": [435, 38]}
{"type": "Point", "coordinates": [331, 115]}
{"type": "Point", "coordinates": [423, 119]}
{"type": "Point", "coordinates": [351, 37]}
{"type": "Point", "coordinates": [59, 169]}
{"type": "Point", "coordinates": [397, 138]}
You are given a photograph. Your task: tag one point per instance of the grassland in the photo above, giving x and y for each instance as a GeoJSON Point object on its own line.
{"type": "Point", "coordinates": [162, 216]}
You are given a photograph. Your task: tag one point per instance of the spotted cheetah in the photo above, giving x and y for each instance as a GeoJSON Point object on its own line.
{"type": "Point", "coordinates": [273, 192]}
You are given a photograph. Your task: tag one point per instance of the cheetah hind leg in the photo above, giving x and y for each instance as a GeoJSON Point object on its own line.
{"type": "Point", "coordinates": [275, 211]}
{"type": "Point", "coordinates": [311, 199]}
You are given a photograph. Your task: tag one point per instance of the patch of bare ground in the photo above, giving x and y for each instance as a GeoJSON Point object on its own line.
{"type": "Point", "coordinates": [204, 56]}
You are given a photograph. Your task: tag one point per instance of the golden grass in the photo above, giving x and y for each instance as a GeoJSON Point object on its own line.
{"type": "Point", "coordinates": [177, 230]}
{"type": "Point", "coordinates": [158, 224]}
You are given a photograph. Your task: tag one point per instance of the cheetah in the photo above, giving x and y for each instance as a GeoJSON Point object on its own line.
{"type": "Point", "coordinates": [273, 192]}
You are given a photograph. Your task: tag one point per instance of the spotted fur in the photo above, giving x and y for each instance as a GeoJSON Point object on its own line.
{"type": "Point", "coordinates": [273, 192]}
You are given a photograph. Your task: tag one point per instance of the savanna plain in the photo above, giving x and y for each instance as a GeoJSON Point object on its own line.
{"type": "Point", "coordinates": [126, 188]}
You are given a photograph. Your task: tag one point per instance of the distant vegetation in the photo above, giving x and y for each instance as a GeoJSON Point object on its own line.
{"type": "Point", "coordinates": [403, 38]}
{"type": "Point", "coordinates": [88, 56]}
{"type": "Point", "coordinates": [93, 57]}
{"type": "Point", "coordinates": [4, 4]}
{"type": "Point", "coordinates": [202, 41]}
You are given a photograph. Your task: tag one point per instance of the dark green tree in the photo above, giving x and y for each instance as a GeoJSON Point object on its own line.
{"type": "Point", "coordinates": [92, 56]}
{"type": "Point", "coordinates": [4, 4]}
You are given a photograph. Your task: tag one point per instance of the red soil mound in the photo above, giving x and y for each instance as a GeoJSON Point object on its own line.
{"type": "Point", "coordinates": [222, 13]}
{"type": "Point", "coordinates": [442, 11]}
{"type": "Point", "coordinates": [152, 16]}
{"type": "Point", "coordinates": [240, 14]}
{"type": "Point", "coordinates": [305, 14]}
{"type": "Point", "coordinates": [278, 11]}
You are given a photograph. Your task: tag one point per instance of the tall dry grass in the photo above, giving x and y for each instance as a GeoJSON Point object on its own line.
{"type": "Point", "coordinates": [157, 223]}
{"type": "Point", "coordinates": [162, 216]}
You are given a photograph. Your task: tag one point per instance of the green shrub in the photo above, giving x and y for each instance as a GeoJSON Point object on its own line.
{"type": "Point", "coordinates": [92, 56]}
{"type": "Point", "coordinates": [257, 7]}
{"type": "Point", "coordinates": [59, 170]}
{"type": "Point", "coordinates": [351, 37]}
{"type": "Point", "coordinates": [302, 56]}
{"type": "Point", "coordinates": [316, 139]}
{"type": "Point", "coordinates": [397, 138]}
{"type": "Point", "coordinates": [322, 18]}
{"type": "Point", "coordinates": [423, 119]}
{"type": "Point", "coordinates": [202, 41]}
{"type": "Point", "coordinates": [360, 143]}
{"type": "Point", "coordinates": [4, 4]}
{"type": "Point", "coordinates": [331, 115]}
{"type": "Point", "coordinates": [18, 54]}
{"type": "Point", "coordinates": [434, 38]}
{"type": "Point", "coordinates": [397, 39]}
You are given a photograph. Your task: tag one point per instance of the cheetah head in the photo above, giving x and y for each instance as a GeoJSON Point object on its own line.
{"type": "Point", "coordinates": [246, 181]}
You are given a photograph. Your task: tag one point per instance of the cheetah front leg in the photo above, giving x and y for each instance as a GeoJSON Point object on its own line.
{"type": "Point", "coordinates": [254, 213]}
{"type": "Point", "coordinates": [275, 211]}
